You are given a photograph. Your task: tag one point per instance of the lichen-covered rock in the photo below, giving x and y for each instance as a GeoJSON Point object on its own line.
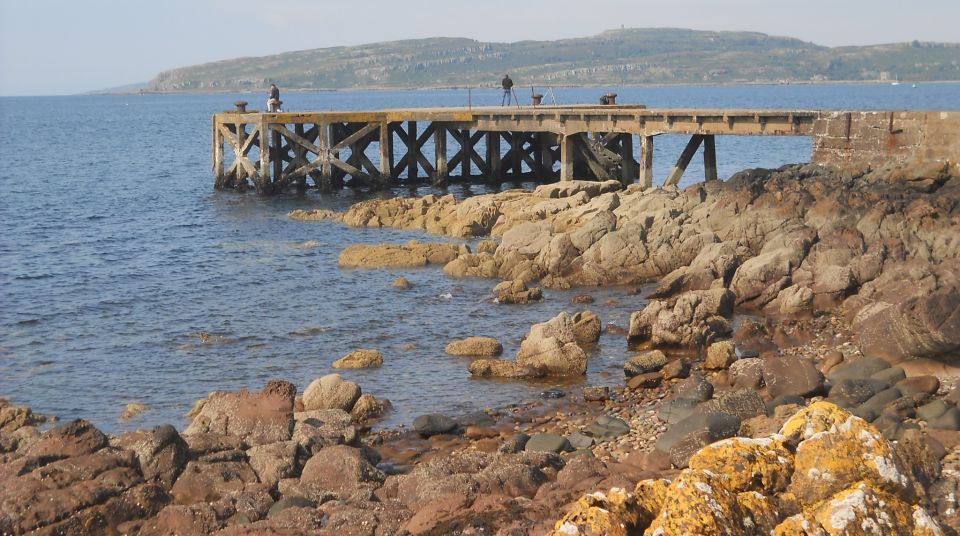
{"type": "Point", "coordinates": [615, 513]}
{"type": "Point", "coordinates": [827, 461]}
{"type": "Point", "coordinates": [475, 346]}
{"type": "Point", "coordinates": [720, 355]}
{"type": "Point", "coordinates": [763, 465]}
{"type": "Point", "coordinates": [698, 502]}
{"type": "Point", "coordinates": [586, 327]}
{"type": "Point", "coordinates": [645, 362]}
{"type": "Point", "coordinates": [363, 358]}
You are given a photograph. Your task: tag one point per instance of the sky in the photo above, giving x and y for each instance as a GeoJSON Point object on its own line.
{"type": "Point", "coordinates": [55, 47]}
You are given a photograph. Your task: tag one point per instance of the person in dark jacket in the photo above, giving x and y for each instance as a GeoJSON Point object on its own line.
{"type": "Point", "coordinates": [273, 103]}
{"type": "Point", "coordinates": [507, 89]}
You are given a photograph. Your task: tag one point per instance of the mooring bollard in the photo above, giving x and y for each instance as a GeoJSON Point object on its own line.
{"type": "Point", "coordinates": [241, 106]}
{"type": "Point", "coordinates": [611, 98]}
{"type": "Point", "coordinates": [537, 99]}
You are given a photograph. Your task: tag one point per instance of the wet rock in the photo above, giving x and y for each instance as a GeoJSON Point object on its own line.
{"type": "Point", "coordinates": [857, 369]}
{"type": "Point", "coordinates": [402, 283]}
{"type": "Point", "coordinates": [746, 373]}
{"type": "Point", "coordinates": [342, 470]}
{"type": "Point", "coordinates": [514, 443]}
{"type": "Point", "coordinates": [552, 347]}
{"type": "Point", "coordinates": [501, 368]}
{"type": "Point", "coordinates": [586, 327]}
{"type": "Point", "coordinates": [890, 375]}
{"type": "Point", "coordinates": [579, 440]}
{"type": "Point", "coordinates": [784, 400]}
{"type": "Point", "coordinates": [552, 394]}
{"type": "Point", "coordinates": [791, 375]}
{"type": "Point", "coordinates": [411, 255]}
{"type": "Point", "coordinates": [647, 380]}
{"type": "Point", "coordinates": [596, 394]}
{"type": "Point", "coordinates": [364, 358]}
{"type": "Point", "coordinates": [429, 425]}
{"type": "Point", "coordinates": [854, 392]}
{"type": "Point", "coordinates": [676, 410]}
{"type": "Point", "coordinates": [132, 410]}
{"type": "Point", "coordinates": [161, 453]}
{"type": "Point", "coordinates": [584, 299]}
{"type": "Point", "coordinates": [547, 443]}
{"type": "Point", "coordinates": [607, 428]}
{"type": "Point", "coordinates": [368, 408]}
{"type": "Point", "coordinates": [689, 435]}
{"type": "Point", "coordinates": [257, 418]}
{"type": "Point", "coordinates": [331, 392]}
{"type": "Point", "coordinates": [743, 404]}
{"type": "Point", "coordinates": [720, 355]}
{"type": "Point", "coordinates": [676, 369]}
{"type": "Point", "coordinates": [516, 292]}
{"type": "Point", "coordinates": [695, 387]}
{"type": "Point", "coordinates": [919, 384]}
{"type": "Point", "coordinates": [475, 346]}
{"type": "Point", "coordinates": [645, 362]}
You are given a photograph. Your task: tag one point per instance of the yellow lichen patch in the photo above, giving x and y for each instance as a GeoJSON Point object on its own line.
{"type": "Point", "coordinates": [864, 510]}
{"type": "Point", "coordinates": [760, 514]}
{"type": "Point", "coordinates": [697, 503]}
{"type": "Point", "coordinates": [763, 465]}
{"type": "Point", "coordinates": [615, 514]}
{"type": "Point", "coordinates": [803, 524]}
{"type": "Point", "coordinates": [815, 418]}
{"type": "Point", "coordinates": [649, 496]}
{"type": "Point", "coordinates": [850, 451]}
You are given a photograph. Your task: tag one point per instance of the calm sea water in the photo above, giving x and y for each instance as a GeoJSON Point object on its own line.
{"type": "Point", "coordinates": [116, 251]}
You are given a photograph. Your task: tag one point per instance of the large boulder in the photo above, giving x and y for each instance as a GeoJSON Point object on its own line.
{"type": "Point", "coordinates": [331, 392]}
{"type": "Point", "coordinates": [502, 368]}
{"type": "Point", "coordinates": [257, 418]}
{"type": "Point", "coordinates": [696, 319]}
{"type": "Point", "coordinates": [552, 346]}
{"type": "Point", "coordinates": [161, 453]}
{"type": "Point", "coordinates": [791, 375]}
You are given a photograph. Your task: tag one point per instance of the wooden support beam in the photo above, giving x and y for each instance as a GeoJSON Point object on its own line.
{"type": "Point", "coordinates": [440, 154]}
{"type": "Point", "coordinates": [218, 157]}
{"type": "Point", "coordinates": [628, 166]}
{"type": "Point", "coordinates": [263, 181]}
{"type": "Point", "coordinates": [493, 157]}
{"type": "Point", "coordinates": [709, 158]}
{"type": "Point", "coordinates": [567, 157]}
{"type": "Point", "coordinates": [326, 168]}
{"type": "Point", "coordinates": [386, 151]}
{"type": "Point", "coordinates": [546, 155]}
{"type": "Point", "coordinates": [412, 151]}
{"type": "Point", "coordinates": [674, 177]}
{"type": "Point", "coordinates": [516, 154]}
{"type": "Point", "coordinates": [646, 161]}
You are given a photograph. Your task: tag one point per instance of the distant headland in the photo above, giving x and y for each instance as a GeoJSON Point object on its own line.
{"type": "Point", "coordinates": [615, 57]}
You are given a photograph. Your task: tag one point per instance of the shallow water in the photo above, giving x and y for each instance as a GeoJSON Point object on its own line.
{"type": "Point", "coordinates": [116, 252]}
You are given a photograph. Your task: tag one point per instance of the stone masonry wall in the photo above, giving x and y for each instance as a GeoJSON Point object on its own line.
{"type": "Point", "coordinates": [848, 139]}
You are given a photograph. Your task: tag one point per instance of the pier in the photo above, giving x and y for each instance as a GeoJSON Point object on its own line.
{"type": "Point", "coordinates": [294, 151]}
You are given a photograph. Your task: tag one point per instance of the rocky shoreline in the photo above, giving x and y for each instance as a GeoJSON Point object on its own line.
{"type": "Point", "coordinates": [831, 409]}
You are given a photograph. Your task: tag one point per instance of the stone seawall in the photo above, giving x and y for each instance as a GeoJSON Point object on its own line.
{"type": "Point", "coordinates": [847, 139]}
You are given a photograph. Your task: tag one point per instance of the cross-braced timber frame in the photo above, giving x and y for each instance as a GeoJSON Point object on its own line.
{"type": "Point", "coordinates": [277, 152]}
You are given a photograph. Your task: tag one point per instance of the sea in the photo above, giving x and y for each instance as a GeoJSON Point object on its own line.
{"type": "Point", "coordinates": [116, 253]}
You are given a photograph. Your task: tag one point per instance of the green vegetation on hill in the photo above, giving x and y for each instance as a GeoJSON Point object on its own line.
{"type": "Point", "coordinates": [616, 57]}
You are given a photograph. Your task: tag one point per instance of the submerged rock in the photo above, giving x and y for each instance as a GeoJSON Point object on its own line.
{"type": "Point", "coordinates": [475, 346]}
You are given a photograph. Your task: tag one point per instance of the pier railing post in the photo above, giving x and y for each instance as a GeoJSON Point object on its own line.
{"type": "Point", "coordinates": [646, 161]}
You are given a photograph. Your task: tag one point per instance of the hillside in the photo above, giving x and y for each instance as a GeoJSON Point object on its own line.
{"type": "Point", "coordinates": [616, 57]}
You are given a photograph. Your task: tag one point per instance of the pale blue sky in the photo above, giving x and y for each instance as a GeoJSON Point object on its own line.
{"type": "Point", "coordinates": [70, 46]}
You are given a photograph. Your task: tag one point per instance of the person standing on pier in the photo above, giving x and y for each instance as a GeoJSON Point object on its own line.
{"type": "Point", "coordinates": [507, 90]}
{"type": "Point", "coordinates": [273, 103]}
